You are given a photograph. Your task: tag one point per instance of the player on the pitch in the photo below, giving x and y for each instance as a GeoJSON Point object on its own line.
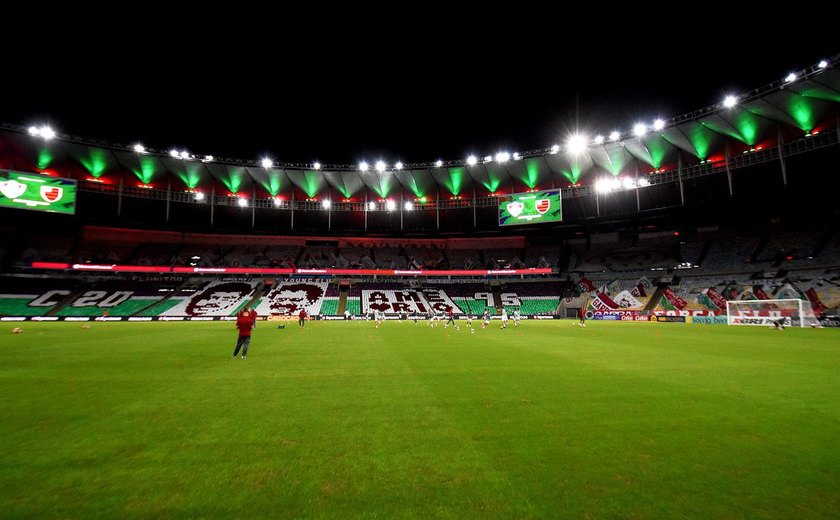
{"type": "Point", "coordinates": [302, 318]}
{"type": "Point", "coordinates": [451, 320]}
{"type": "Point", "coordinates": [246, 321]}
{"type": "Point", "coordinates": [486, 319]}
{"type": "Point", "coordinates": [504, 318]}
{"type": "Point", "coordinates": [378, 316]}
{"type": "Point", "coordinates": [516, 317]}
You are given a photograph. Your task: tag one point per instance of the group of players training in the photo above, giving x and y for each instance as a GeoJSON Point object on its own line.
{"type": "Point", "coordinates": [246, 321]}
{"type": "Point", "coordinates": [436, 317]}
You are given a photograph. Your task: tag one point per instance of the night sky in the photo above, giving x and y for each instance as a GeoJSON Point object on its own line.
{"type": "Point", "coordinates": [413, 97]}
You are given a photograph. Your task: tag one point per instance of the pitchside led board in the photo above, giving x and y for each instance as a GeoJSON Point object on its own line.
{"type": "Point", "coordinates": [38, 192]}
{"type": "Point", "coordinates": [534, 207]}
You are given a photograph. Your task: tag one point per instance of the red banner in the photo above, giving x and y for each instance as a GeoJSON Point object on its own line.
{"type": "Point", "coordinates": [638, 291]}
{"type": "Point", "coordinates": [602, 302]}
{"type": "Point", "coordinates": [696, 312]}
{"type": "Point", "coordinates": [50, 265]}
{"type": "Point", "coordinates": [231, 270]}
{"type": "Point", "coordinates": [584, 285]}
{"type": "Point", "coordinates": [816, 304]}
{"type": "Point", "coordinates": [716, 298]}
{"type": "Point", "coordinates": [674, 299]}
{"type": "Point", "coordinates": [760, 294]}
{"type": "Point", "coordinates": [264, 270]}
{"type": "Point", "coordinates": [122, 268]}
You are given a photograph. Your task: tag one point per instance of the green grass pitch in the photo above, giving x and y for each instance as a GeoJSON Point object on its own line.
{"type": "Point", "coordinates": [618, 420]}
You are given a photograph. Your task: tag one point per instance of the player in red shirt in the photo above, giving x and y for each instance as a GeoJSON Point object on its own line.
{"type": "Point", "coordinates": [246, 320]}
{"type": "Point", "coordinates": [451, 318]}
{"type": "Point", "coordinates": [302, 318]}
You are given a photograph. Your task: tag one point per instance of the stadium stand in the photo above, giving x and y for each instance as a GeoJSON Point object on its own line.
{"type": "Point", "coordinates": [470, 297]}
{"type": "Point", "coordinates": [118, 297]}
{"type": "Point", "coordinates": [34, 296]}
{"type": "Point", "coordinates": [330, 302]}
{"type": "Point", "coordinates": [531, 298]}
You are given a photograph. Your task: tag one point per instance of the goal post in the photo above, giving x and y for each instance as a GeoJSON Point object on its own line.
{"type": "Point", "coordinates": [797, 313]}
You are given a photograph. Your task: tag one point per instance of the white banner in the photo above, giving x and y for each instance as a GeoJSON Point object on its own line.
{"type": "Point", "coordinates": [408, 300]}
{"type": "Point", "coordinates": [293, 295]}
{"type": "Point", "coordinates": [787, 291]}
{"type": "Point", "coordinates": [626, 300]}
{"type": "Point", "coordinates": [219, 298]}
{"type": "Point", "coordinates": [757, 320]}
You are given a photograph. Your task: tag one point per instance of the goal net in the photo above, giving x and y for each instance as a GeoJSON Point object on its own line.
{"type": "Point", "coordinates": [796, 313]}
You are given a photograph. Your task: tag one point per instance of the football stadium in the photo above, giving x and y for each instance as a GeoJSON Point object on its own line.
{"type": "Point", "coordinates": [637, 320]}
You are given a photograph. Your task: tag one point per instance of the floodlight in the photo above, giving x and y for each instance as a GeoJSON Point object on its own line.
{"type": "Point", "coordinates": [576, 144]}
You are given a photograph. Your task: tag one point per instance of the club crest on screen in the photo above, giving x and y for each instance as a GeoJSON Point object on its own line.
{"type": "Point", "coordinates": [12, 189]}
{"type": "Point", "coordinates": [51, 193]}
{"type": "Point", "coordinates": [542, 205]}
{"type": "Point", "coordinates": [515, 208]}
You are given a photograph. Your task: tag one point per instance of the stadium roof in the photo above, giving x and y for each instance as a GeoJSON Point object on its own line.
{"type": "Point", "coordinates": [787, 109]}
